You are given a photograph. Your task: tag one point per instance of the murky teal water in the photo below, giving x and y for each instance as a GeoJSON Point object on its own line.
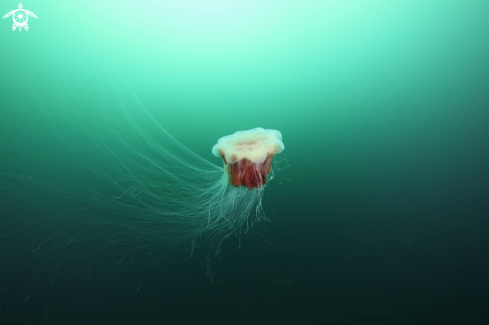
{"type": "Point", "coordinates": [383, 107]}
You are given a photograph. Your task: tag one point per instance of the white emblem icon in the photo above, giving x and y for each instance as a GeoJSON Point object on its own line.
{"type": "Point", "coordinates": [20, 16]}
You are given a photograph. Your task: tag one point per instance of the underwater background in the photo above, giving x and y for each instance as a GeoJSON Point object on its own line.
{"type": "Point", "coordinates": [379, 210]}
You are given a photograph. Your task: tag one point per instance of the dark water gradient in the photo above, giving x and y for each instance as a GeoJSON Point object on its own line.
{"type": "Point", "coordinates": [382, 217]}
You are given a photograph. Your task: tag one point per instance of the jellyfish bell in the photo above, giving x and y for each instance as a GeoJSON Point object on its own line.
{"type": "Point", "coordinates": [248, 155]}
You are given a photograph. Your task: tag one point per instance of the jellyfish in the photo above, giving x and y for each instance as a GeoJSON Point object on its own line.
{"type": "Point", "coordinates": [108, 175]}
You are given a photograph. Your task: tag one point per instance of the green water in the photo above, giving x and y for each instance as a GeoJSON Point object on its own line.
{"type": "Point", "coordinates": [383, 107]}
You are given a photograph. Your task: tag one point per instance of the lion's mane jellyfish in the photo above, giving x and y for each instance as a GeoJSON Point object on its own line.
{"type": "Point", "coordinates": [114, 177]}
{"type": "Point", "coordinates": [102, 184]}
{"type": "Point", "coordinates": [248, 155]}
{"type": "Point", "coordinates": [234, 203]}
